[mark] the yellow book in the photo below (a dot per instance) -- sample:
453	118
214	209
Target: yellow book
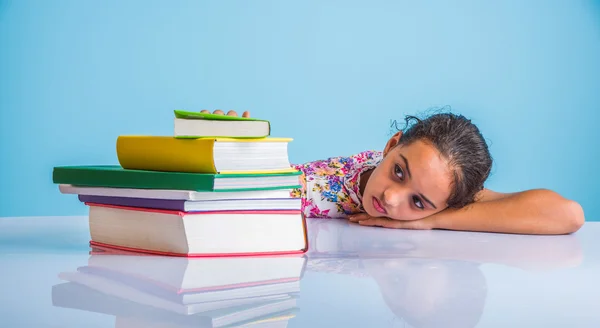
205	155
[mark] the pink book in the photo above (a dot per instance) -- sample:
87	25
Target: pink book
198	234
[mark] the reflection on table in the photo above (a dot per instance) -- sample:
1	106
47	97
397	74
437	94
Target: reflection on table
426	278
161	291
431	278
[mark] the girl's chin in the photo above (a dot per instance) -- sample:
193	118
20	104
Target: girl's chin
372	212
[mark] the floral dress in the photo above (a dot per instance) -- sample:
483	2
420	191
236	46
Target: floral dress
330	187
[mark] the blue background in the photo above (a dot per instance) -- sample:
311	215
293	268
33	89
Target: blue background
76	74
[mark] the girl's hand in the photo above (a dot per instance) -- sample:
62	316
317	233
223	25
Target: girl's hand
230	113
366	220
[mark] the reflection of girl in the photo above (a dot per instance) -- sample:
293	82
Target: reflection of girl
431	293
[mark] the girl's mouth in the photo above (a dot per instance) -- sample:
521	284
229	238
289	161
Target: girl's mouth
378	207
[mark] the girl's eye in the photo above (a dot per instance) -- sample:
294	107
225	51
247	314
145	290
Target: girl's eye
400	174
398	171
418	202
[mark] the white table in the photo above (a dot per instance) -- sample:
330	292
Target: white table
353	277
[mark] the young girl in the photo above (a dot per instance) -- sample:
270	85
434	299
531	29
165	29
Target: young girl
430	176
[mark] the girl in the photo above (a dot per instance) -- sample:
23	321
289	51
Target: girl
429	176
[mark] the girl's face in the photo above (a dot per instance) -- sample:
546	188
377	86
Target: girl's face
411	182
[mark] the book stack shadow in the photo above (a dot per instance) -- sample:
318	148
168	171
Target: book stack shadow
219	186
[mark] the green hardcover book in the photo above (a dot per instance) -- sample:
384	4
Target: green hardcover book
195	125
114	176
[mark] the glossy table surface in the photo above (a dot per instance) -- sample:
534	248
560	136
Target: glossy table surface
352	277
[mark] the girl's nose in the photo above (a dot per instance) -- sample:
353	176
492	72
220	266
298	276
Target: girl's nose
393	196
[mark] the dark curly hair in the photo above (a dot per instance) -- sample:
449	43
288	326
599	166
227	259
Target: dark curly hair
462	144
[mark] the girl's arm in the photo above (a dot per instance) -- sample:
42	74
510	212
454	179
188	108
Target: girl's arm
538	211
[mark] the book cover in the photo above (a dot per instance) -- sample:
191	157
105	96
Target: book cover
195	206
116	176
197	155
235	126
174	194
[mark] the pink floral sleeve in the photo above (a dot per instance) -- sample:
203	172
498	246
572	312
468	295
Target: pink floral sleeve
330	187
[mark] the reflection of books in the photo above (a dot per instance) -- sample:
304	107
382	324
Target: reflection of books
183	276
145	295
129	314
215	292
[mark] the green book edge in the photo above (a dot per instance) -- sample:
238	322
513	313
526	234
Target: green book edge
104	176
118	168
179	113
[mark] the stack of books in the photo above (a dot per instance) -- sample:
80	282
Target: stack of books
161	291
220	186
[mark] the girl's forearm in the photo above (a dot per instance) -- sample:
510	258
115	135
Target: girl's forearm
537	211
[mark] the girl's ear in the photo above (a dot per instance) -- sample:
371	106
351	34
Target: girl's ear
392	142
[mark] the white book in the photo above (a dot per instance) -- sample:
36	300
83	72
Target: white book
198	233
173	194
218	128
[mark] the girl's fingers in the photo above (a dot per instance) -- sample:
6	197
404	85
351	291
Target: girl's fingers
358	217
380	222
229	113
421	224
